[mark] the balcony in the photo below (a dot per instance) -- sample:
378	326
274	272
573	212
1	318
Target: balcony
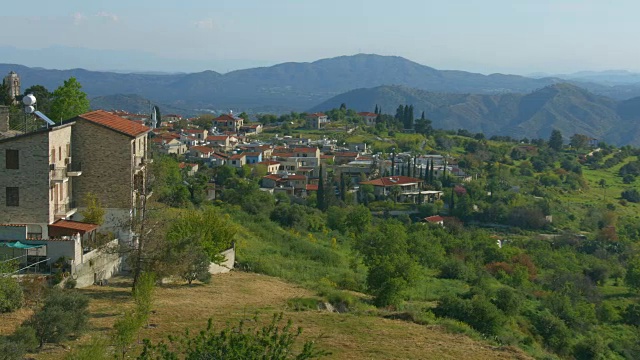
62	173
74	169
141	161
64	209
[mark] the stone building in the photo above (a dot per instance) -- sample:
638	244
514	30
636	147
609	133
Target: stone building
113	152
46	174
37	178
12	81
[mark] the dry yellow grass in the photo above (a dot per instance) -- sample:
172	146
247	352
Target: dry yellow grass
239	295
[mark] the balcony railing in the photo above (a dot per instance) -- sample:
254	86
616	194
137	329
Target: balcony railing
62	173
74	168
65	208
141	161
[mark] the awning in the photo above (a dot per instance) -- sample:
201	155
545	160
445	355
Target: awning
70	228
19	245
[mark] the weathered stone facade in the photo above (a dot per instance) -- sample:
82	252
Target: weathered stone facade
40	190
108	163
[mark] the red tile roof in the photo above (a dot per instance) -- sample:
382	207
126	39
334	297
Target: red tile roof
202	149
306	149
316	115
75	226
346	154
268	162
237	156
182	165
217	138
312	187
434	219
114	122
367	114
392	180
227	117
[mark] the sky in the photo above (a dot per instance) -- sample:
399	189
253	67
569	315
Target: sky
506	36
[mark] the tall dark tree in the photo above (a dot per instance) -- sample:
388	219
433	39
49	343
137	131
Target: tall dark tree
444	173
452	202
432	175
422	116
415	164
376	110
343	106
393	164
400	113
343	187
555	141
320	200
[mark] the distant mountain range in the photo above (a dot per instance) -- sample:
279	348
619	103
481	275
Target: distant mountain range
562	106
493	103
293	86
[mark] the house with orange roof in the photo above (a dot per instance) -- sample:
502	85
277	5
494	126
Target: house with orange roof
272	166
201	152
237	160
317	120
401	188
229	122
222	142
369	118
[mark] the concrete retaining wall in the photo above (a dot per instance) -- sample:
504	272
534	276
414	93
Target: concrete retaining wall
227	264
98	265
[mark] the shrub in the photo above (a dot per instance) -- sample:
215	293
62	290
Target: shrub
631	195
10	294
70	284
508	301
454	269
63	313
478	312
271	341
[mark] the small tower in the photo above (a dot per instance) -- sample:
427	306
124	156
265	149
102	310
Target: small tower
13	83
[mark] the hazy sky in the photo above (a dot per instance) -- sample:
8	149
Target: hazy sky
509	36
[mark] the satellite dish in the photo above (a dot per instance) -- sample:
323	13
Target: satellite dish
29	109
29	100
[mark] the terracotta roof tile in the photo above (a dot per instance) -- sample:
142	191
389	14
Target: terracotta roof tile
392	180
114	122
78	226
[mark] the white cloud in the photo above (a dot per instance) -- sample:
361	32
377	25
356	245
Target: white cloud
78	18
107	15
206	24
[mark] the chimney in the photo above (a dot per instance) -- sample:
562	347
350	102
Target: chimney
4	118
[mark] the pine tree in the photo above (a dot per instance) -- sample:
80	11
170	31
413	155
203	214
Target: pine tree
320	196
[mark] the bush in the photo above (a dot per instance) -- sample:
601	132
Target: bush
70	284
478	312
63	313
454	269
10	294
241	342
631	195
508	301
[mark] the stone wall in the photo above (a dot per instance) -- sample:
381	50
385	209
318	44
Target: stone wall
107	165
98	265
4	118
32	179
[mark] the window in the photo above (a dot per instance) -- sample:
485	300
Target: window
59	153
53	155
13	196
13	161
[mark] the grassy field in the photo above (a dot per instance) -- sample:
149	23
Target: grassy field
240	295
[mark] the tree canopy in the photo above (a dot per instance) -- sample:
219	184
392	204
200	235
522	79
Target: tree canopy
68	101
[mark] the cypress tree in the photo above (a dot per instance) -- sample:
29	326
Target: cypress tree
393	164
444	173
376	110
343	187
415	163
320	197
452	201
422	117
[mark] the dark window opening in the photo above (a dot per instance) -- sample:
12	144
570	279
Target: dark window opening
13	196
13	160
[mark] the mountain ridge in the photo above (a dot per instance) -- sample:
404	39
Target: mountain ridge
563	106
